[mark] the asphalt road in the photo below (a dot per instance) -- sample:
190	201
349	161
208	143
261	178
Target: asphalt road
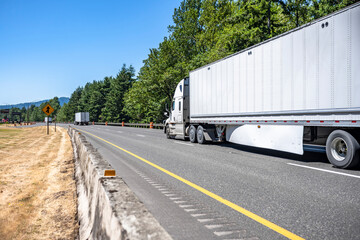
312	203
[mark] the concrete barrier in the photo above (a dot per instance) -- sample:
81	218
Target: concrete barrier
107	208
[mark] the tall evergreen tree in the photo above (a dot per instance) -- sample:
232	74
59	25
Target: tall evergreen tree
113	109
74	104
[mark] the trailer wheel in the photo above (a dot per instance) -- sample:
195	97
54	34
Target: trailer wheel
200	135
342	149
192	134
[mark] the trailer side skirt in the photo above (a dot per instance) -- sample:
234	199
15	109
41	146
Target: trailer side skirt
285	138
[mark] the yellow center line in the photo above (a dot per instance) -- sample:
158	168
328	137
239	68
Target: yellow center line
237	208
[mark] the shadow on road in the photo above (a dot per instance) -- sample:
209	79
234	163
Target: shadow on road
308	157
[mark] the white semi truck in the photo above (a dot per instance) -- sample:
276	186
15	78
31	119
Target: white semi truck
46	119
296	91
81	118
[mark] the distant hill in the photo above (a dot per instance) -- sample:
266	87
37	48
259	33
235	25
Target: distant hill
62	100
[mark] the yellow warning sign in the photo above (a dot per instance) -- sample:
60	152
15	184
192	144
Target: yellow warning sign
48	109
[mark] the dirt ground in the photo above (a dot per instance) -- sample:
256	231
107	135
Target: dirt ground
37	186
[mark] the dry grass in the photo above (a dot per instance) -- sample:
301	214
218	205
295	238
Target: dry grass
37	189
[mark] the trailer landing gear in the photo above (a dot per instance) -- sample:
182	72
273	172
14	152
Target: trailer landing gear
342	149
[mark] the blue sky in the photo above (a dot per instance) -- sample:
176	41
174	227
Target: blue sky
49	48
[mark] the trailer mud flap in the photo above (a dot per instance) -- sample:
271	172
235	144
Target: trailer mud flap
280	137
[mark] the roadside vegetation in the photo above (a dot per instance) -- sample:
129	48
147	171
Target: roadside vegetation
203	31
33	114
37	186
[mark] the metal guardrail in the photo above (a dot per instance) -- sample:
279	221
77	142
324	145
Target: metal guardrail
138	125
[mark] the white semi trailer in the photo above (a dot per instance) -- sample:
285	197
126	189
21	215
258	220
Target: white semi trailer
81	118
46	119
296	91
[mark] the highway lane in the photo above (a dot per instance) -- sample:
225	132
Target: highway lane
310	203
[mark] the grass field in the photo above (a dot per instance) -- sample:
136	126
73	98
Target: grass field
37	187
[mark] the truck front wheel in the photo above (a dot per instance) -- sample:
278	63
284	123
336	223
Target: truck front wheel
192	134
167	131
342	149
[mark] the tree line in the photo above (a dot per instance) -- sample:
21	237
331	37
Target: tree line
202	31
32	113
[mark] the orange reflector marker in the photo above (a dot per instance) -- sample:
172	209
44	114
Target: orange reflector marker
109	173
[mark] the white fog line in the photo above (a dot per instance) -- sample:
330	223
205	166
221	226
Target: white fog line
323	170
188	144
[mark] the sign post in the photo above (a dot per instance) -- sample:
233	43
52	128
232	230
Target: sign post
47	110
55	122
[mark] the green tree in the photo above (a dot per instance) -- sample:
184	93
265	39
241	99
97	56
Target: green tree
61	114
37	115
74	104
85	97
203	31
96	101
29	113
113	109
12	117
55	104
214	14
320	8
23	114
185	29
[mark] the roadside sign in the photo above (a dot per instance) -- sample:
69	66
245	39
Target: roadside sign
48	109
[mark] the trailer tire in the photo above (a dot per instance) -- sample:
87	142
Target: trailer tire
342	149
192	134
200	135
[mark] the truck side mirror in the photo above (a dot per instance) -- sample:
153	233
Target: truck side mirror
166	114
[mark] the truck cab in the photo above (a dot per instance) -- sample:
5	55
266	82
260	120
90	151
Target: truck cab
178	121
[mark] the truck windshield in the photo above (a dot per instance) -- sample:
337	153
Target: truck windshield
173	105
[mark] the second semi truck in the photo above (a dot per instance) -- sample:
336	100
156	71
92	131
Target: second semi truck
296	91
81	118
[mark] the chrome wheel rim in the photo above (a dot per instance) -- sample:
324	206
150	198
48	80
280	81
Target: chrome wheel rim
192	133
339	149
200	135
